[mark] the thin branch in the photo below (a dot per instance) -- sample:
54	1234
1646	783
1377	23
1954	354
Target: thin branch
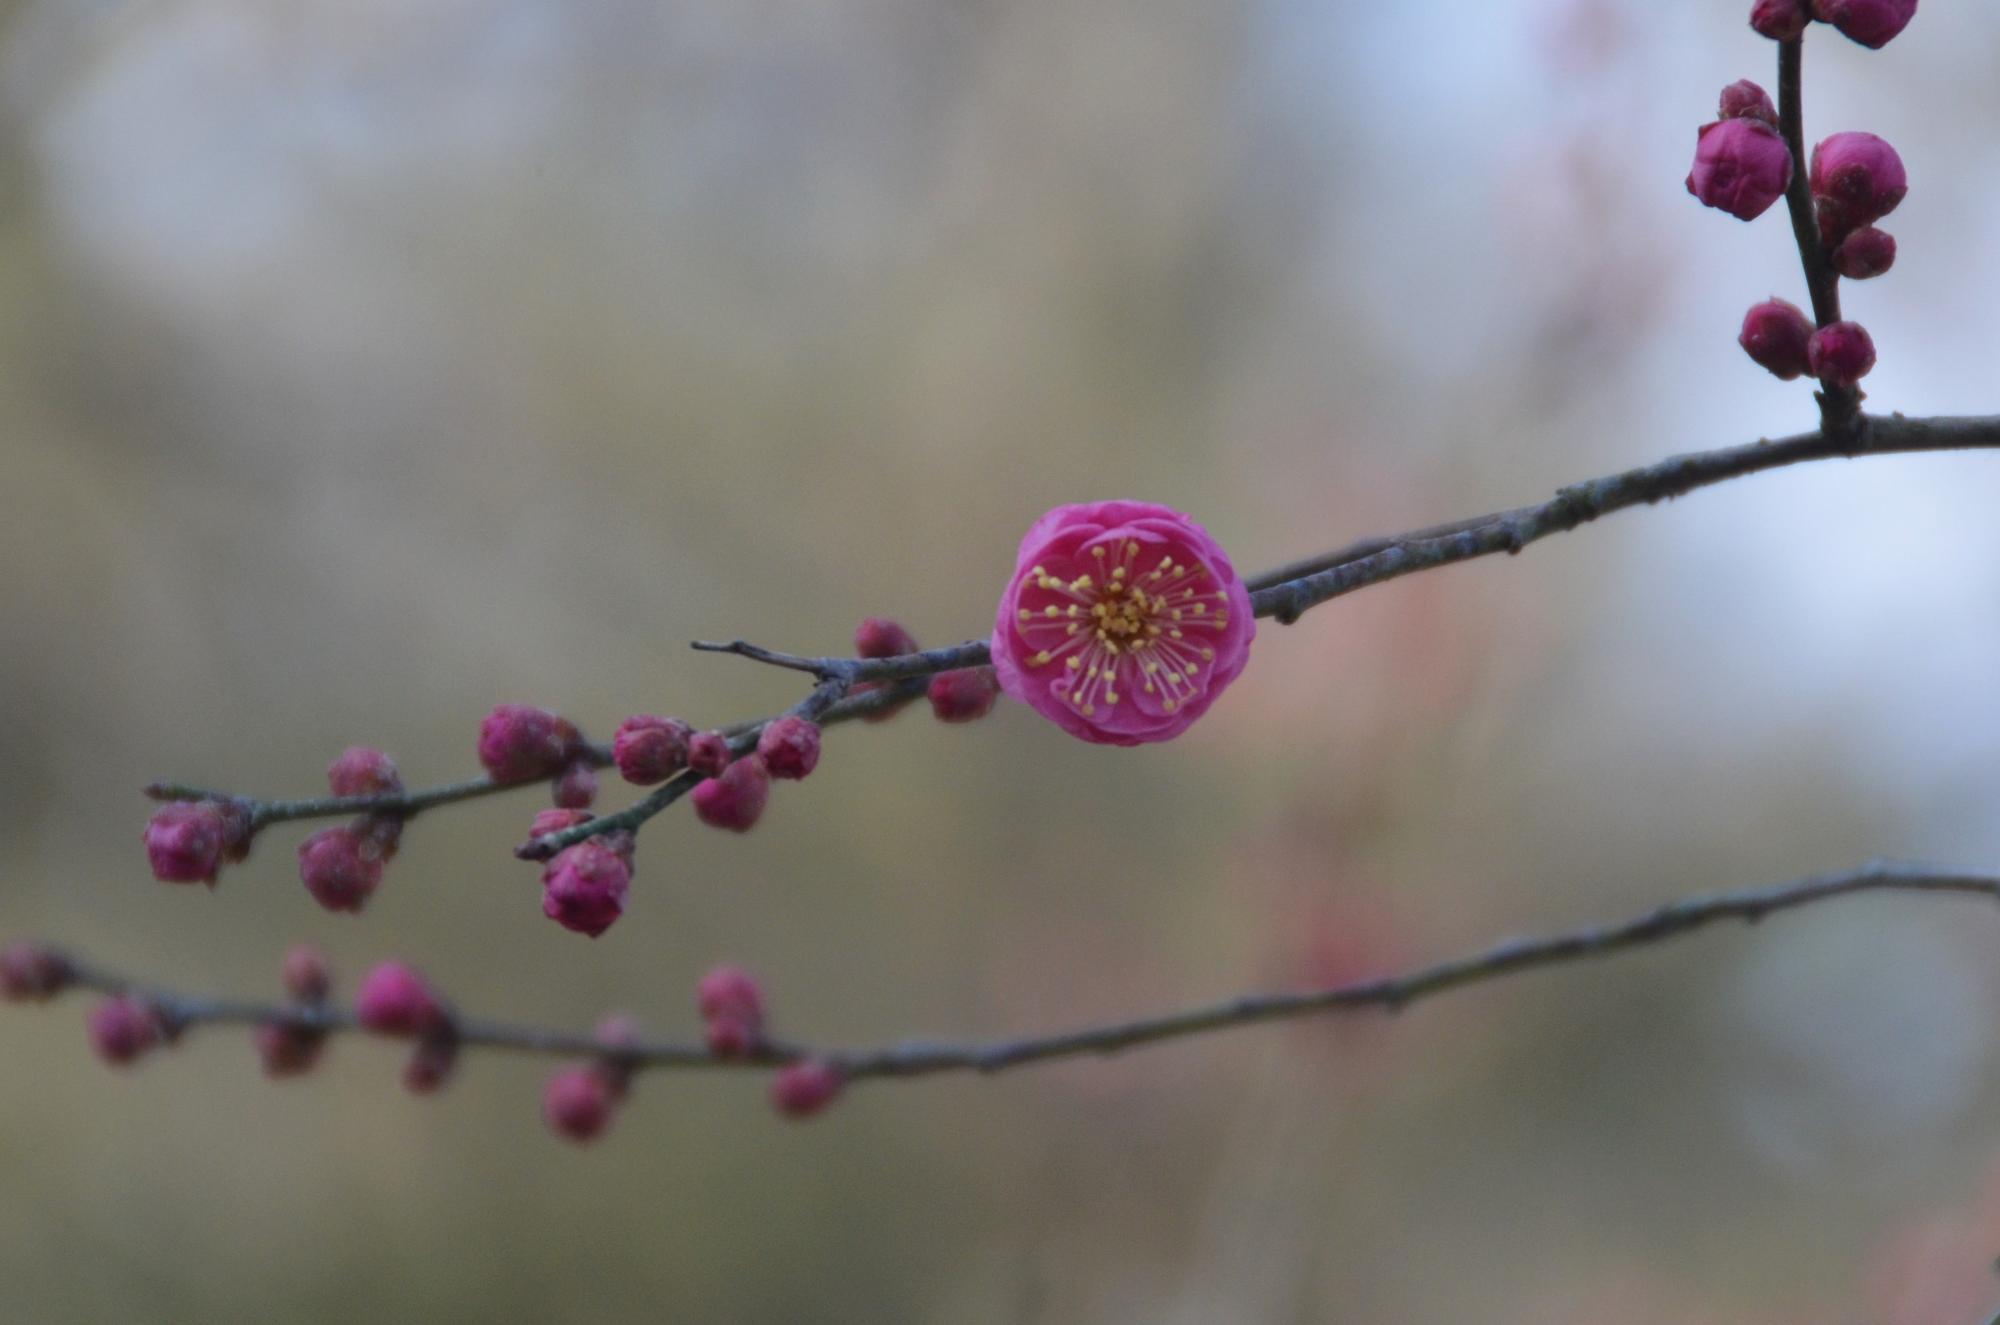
925	1057
1839	406
1285	594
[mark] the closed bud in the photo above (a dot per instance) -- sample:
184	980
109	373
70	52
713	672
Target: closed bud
1841	353
802	1089
709	753
1741	166
1873	23
1775	335
1780	20
340	868
964	695
576	788
395	999
735	800
30	973
363	771
1744	99
790	746
185	841
649	749
308	978
585	886
578	1104
123	1029
1865	253
518	742
1857	179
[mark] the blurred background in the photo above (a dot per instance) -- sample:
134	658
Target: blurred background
364	364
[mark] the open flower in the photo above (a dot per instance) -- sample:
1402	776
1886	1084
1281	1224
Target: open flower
1123	622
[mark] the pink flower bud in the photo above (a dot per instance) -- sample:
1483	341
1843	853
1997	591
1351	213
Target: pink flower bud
286	1049
1865	253
340	868
1740	166
1873	23
576	787
578	1104
1856	179
30	973
1780	20
380	834
964	695
802	1089
790	747
1774	335
709	753
1744	98
307	976
736	799
518	742
554	821
431	1064
650	749
585	886
879	637
185	841
122	1029
395	1000
730	991
1174	631
1841	353
362	771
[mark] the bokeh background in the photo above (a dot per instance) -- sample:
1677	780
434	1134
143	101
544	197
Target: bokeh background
364	364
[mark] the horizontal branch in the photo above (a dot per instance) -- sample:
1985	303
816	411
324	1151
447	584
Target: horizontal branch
1285	593
926	1057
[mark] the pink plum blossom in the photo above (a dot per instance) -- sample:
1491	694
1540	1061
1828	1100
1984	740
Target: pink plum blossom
1123	622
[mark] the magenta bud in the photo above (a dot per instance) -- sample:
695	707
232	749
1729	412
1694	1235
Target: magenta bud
362	771
709	753
1864	253
396	1000
1857	179
340	868
585	886
1780	20
730	991
1774	335
431	1064
964	695
554	821
736	799
307	976
185	841
1841	353
1741	166
1744	99
30	973
286	1049
879	637
790	747
576	788
1873	23
578	1104
804	1088
649	749
123	1029
518	742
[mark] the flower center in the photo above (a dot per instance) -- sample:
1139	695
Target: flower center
1121	629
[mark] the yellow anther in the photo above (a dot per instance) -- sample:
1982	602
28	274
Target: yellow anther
1131	549
1074	626
1111	696
1074	663
1175	614
1089	709
1192	668
1097	552
1175	632
1044	658
1200	609
1208	653
1167	704
1024	614
1052	611
1118	573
